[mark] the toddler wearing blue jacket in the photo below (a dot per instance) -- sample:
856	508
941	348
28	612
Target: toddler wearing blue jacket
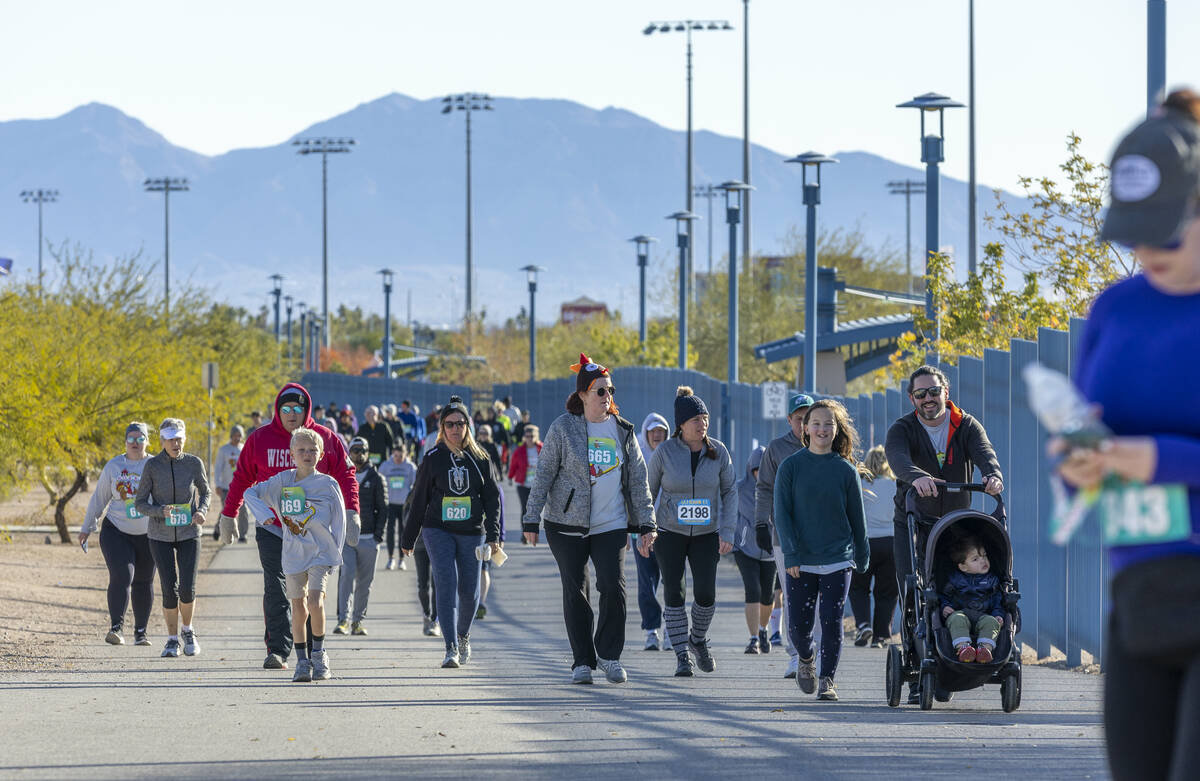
971	602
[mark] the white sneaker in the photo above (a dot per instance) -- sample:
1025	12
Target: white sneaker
613	670
652	641
403	565
793	665
391	564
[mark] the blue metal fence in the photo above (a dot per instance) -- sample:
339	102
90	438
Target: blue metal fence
1063	588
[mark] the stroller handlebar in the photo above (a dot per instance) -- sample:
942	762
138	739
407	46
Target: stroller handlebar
1000	513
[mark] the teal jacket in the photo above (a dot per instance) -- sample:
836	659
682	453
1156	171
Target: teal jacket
819	511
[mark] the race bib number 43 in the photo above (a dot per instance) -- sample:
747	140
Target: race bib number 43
178	515
602	455
292	501
694	512
456	508
1141	515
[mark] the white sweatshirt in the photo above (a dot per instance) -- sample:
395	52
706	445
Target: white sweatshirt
115	489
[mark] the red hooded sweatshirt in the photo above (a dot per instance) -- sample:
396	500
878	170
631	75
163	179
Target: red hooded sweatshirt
268	452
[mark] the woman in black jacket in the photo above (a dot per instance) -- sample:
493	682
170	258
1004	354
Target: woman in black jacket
455	507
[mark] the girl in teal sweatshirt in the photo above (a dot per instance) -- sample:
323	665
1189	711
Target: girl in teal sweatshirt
823	532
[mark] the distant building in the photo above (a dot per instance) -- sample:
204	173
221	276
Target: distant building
581	309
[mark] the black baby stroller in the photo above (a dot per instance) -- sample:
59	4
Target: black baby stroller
926	655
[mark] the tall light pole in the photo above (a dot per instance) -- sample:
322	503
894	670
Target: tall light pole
531	273
276	293
387	275
303	337
746	130
324	147
908	188
683	230
468	102
166	186
812	197
314	345
688	26
710	192
932	153
643	255
287	303
735	192
1156	53
971	220
39	197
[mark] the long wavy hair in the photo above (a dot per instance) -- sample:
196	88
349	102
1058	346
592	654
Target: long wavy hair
845	441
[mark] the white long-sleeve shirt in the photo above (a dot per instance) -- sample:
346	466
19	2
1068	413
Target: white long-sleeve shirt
313	515
113	500
224	465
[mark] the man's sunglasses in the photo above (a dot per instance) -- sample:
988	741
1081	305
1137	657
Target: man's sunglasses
354	450
934	391
135	440
454	424
605	390
296	408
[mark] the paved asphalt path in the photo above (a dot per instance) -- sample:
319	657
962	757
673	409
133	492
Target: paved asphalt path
123	712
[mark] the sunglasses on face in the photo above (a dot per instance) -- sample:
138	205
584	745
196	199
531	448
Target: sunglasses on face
135	440
454	424
934	391
357	451
288	410
605	390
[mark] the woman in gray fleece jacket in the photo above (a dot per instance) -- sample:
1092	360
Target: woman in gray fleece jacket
692	481
173	494
591	483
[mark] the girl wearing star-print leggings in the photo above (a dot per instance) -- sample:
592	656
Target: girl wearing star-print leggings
455	507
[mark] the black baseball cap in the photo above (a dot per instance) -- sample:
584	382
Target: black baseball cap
1155	181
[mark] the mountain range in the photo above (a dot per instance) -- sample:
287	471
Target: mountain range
555	183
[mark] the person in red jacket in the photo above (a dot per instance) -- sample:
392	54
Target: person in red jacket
522	466
266	453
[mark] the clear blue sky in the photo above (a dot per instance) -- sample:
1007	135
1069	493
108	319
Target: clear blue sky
824	75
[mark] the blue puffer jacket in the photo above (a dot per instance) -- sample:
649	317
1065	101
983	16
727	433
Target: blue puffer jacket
976	594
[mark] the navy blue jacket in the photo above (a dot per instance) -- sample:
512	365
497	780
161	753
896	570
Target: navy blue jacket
974	593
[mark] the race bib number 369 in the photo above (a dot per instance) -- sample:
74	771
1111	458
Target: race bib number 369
292	501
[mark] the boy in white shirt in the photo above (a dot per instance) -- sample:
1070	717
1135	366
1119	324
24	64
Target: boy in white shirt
310	507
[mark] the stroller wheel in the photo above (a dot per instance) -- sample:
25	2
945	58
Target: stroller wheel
895	676
1010	692
928	683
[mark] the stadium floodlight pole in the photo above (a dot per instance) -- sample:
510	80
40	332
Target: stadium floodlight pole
276	292
932	153
709	191
388	276
683	230
812	197
531	273
468	102
688	26
39	197
324	147
908	188
166	186
971	220
1156	53
643	256
746	131
287	304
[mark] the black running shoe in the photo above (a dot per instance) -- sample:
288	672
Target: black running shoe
140	637
114	636
753	647
683	665
704	658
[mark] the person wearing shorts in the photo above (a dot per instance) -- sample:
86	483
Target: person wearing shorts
310	507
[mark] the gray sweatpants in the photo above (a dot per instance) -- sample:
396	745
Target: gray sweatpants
355	577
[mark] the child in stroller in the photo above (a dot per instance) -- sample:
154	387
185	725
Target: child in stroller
971	602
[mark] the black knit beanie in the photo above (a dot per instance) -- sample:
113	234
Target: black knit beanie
687	406
587	372
455	405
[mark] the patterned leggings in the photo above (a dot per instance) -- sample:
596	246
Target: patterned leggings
802	608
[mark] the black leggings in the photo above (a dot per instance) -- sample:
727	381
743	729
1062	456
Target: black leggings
523	495
758	579
802	608
426	591
1151	712
130	573
702	553
883	571
395	516
177	586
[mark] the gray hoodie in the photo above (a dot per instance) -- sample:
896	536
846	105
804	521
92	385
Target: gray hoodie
744	539
172	481
653	417
672	481
318	515
764	503
563	486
